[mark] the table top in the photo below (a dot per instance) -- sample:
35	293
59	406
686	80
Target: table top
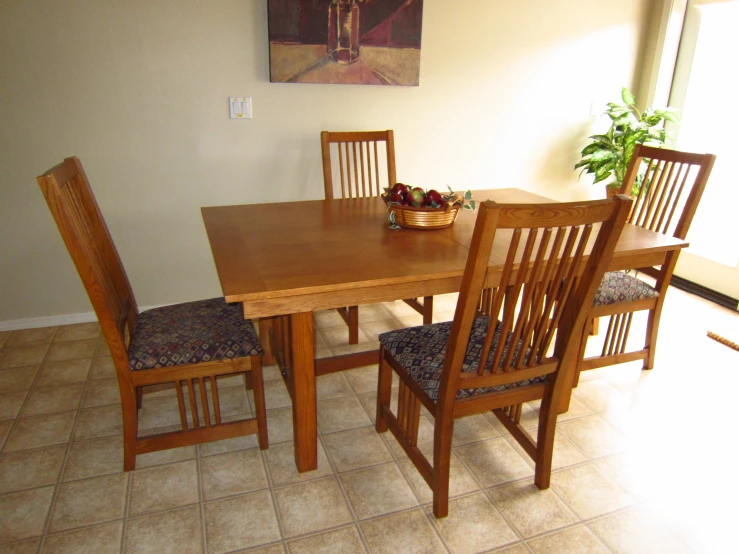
302	256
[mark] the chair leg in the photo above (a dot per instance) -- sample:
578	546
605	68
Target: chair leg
259	405
139	397
428	309
594	326
248	380
129	402
443	431
384	390
545	440
353	324
651	338
581	355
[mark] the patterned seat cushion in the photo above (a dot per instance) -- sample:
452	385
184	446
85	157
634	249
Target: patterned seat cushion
420	351
189	333
618	286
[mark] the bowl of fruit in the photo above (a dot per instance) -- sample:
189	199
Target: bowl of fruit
415	208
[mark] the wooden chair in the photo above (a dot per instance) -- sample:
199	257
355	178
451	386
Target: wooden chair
440	365
359	162
189	345
675	183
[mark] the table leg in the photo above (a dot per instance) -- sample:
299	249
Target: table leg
266	326
304	391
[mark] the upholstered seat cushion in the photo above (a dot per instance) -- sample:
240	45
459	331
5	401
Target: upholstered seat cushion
617	286
420	352
201	331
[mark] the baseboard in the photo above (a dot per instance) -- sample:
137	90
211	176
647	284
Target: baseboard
704	292
54	320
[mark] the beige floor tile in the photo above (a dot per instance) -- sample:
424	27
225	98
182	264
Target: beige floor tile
163	488
27	337
370	345
232	473
530	510
341	541
636	473
89	501
102	421
473	428
577	409
374	329
636	530
363	379
460	480
474	525
174	532
276	548
516	548
494	462
78	331
102	348
22	356
333	385
600	396
29	469
378	490
19	378
40	431
574	540
339	414
339	336
276	395
103	368
23	514
49	400
71	350
94	458
280	425
565	453
594	436
30	546
311	507
373	312
327	318
102	392
271	373
102	539
5	427
231	445
588	492
356	448
282	469
240	522
11	403
399	309
403	532
63	373
160	411
162	457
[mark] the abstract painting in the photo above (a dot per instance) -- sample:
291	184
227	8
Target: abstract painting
361	42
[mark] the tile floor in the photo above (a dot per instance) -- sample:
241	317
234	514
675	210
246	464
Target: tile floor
643	460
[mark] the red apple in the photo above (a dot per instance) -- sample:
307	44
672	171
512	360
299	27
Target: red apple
435	197
399	187
408	197
397	197
418	195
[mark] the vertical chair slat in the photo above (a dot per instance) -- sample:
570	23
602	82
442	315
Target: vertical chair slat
362	167
676	201
341	171
204	400
181	404
671	199
661	195
216	403
356	172
193	404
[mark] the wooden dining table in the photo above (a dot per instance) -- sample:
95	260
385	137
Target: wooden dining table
284	261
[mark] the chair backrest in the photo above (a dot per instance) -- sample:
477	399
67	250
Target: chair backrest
556	257
672	186
77	215
359	162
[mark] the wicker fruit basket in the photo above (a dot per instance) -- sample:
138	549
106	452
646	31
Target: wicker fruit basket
426	218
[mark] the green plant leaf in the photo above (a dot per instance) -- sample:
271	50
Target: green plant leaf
468	195
589	149
627	97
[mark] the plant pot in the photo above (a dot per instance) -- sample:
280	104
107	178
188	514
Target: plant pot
612	191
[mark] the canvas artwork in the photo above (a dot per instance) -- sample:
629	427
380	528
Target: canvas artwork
361	42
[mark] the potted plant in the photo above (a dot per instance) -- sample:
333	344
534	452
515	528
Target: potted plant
608	155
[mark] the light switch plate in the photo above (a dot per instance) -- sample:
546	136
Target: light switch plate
240	107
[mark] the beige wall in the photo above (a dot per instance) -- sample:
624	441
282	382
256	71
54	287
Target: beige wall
137	89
